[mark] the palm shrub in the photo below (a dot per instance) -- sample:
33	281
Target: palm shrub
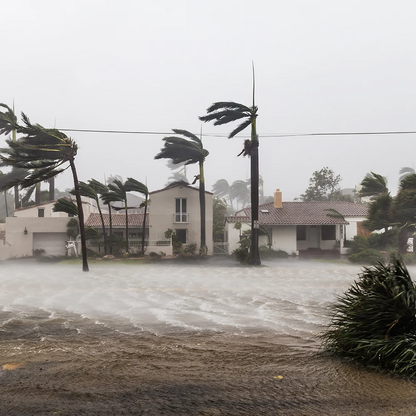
374	321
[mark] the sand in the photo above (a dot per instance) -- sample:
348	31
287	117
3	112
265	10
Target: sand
189	374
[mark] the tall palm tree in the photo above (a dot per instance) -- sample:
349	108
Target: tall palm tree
188	150
222	189
373	185
224	112
135	186
43	152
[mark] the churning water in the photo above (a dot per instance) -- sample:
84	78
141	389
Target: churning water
285	297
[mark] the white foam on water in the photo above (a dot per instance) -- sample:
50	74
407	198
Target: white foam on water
290	298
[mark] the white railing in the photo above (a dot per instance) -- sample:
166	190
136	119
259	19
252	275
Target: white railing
180	217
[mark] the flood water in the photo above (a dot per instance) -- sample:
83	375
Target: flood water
286	297
213	338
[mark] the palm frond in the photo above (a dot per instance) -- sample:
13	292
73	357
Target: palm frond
229	105
136	186
65	205
240	128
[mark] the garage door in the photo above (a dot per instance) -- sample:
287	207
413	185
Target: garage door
52	243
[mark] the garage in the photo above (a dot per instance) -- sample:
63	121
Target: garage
52	243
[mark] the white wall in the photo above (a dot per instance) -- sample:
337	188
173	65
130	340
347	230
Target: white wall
284	238
351	228
234	235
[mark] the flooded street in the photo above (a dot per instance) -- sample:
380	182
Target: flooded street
210	339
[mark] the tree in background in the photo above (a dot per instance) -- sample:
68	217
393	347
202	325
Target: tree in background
188	150
43	152
324	186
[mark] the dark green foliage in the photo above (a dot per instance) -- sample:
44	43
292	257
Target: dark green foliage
323	186
374	321
373	184
219	214
368	256
242	253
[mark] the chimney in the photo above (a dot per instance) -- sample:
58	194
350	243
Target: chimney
278	199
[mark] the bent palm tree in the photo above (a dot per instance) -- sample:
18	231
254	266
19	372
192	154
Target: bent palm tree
224	112
43	153
188	150
373	185
135	186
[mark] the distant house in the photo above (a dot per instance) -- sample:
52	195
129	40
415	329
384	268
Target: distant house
37	229
298	226
176	207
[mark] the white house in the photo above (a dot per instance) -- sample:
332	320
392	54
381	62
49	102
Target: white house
37	228
298	226
176	207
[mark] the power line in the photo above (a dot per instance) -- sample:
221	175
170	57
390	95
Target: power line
270	136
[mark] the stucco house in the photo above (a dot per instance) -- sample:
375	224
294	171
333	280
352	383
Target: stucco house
298	226
176	207
37	228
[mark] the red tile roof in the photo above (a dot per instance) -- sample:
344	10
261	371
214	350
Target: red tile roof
119	220
303	213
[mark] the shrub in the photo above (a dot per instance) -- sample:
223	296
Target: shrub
369	256
374	321
358	244
267	252
242	253
190	248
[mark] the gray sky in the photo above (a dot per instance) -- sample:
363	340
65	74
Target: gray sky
321	66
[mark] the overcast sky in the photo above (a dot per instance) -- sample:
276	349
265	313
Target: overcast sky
321	66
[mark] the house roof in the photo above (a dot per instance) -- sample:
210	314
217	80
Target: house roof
45	203
303	213
118	220
177	185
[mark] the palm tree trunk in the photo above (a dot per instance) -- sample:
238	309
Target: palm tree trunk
403	237
5	203
144	225
16	197
52	189
254	257
37	193
102	225
127	227
111	227
203	247
80	217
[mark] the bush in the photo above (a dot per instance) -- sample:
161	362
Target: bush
358	244
242	253
267	252
369	256
190	248
374	321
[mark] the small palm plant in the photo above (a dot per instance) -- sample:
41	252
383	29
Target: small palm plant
43	153
374	321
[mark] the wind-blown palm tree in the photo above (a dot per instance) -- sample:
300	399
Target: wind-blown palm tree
188	150
405	171
373	185
43	152
135	186
89	192
224	112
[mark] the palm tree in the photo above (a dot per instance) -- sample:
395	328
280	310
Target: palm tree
405	171
224	113
222	189
135	186
89	192
43	152
240	191
373	185
188	150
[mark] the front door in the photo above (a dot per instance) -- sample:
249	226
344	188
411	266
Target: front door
313	236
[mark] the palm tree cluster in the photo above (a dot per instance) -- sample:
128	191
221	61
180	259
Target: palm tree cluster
386	211
374	321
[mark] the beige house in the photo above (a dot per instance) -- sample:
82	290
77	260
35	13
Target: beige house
176	207
37	229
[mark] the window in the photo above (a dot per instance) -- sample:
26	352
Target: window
41	212
181	234
180	210
328	232
301	232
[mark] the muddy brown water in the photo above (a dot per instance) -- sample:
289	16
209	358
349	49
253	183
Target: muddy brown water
210	339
